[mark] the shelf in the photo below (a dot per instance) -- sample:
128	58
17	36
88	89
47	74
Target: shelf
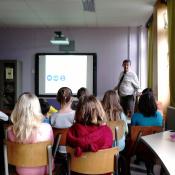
10	83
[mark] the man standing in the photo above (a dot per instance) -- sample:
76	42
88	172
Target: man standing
127	87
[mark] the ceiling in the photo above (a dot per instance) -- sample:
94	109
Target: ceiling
69	13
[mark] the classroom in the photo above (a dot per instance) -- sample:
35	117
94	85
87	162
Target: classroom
101	35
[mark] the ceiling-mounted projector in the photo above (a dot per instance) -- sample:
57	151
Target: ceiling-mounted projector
59	39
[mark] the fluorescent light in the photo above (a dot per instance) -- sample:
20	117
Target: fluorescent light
59	39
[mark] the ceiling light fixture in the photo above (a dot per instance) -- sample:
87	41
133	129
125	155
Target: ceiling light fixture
59	39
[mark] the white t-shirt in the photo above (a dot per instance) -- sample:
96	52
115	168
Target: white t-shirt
129	84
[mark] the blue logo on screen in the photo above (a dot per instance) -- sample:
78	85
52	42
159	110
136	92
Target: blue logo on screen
49	77
56	77
62	77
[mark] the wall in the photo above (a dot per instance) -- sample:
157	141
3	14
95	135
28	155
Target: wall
112	45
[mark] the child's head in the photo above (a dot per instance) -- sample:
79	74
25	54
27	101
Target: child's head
26	116
111	104
82	92
147	90
147	104
90	111
44	106
64	96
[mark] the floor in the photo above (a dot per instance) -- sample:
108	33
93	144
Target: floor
140	169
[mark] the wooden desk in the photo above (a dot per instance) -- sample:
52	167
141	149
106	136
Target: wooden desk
164	148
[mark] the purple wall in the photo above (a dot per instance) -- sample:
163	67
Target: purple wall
112	45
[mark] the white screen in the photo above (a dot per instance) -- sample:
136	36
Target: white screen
73	71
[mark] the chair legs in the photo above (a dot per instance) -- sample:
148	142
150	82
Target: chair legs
5	160
62	160
123	165
149	168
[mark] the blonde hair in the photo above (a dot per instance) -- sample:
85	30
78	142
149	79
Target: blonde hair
26	117
111	105
90	111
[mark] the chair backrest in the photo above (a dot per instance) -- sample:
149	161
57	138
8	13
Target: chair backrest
62	132
60	135
170	120
100	162
28	155
118	128
144	130
137	131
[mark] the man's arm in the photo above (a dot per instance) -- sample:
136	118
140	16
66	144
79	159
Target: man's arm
116	87
135	82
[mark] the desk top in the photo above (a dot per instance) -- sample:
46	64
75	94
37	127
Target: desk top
164	148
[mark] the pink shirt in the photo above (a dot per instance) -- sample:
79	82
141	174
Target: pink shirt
44	133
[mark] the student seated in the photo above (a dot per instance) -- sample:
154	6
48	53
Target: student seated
28	128
64	118
147	114
80	93
158	103
89	132
114	112
45	107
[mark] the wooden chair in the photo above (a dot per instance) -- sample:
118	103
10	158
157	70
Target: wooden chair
170	119
62	132
144	130
118	129
100	162
28	155
134	146
60	158
60	135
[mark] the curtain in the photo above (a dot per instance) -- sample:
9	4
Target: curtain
171	41
150	55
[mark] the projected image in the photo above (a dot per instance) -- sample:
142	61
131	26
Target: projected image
65	70
54	71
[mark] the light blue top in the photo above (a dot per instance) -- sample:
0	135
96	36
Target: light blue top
46	120
62	120
141	120
121	142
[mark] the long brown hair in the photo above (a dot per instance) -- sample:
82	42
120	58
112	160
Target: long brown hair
90	111
111	105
